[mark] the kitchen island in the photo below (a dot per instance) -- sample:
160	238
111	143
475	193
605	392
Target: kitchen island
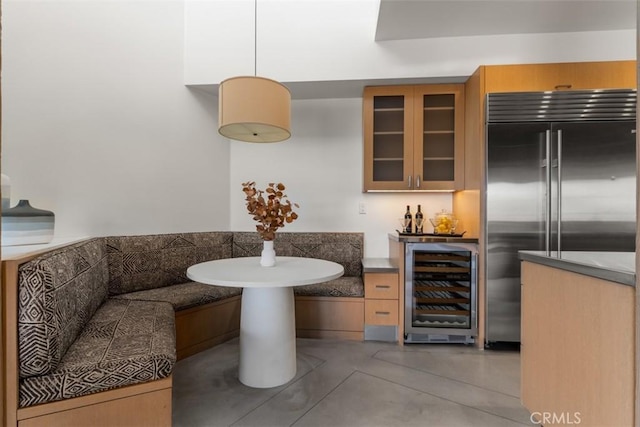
618	267
578	337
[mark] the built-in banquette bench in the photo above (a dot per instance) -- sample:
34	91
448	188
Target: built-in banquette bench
92	330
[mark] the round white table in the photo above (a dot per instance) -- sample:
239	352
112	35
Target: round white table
267	318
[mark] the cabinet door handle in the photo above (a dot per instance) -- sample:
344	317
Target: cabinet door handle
565	86
382	313
409	181
383	286
417	181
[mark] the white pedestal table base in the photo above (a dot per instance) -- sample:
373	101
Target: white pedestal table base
267	337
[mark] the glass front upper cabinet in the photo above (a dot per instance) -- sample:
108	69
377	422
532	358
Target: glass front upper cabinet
413	138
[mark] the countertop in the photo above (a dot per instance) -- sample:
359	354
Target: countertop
616	267
426	238
379	265
20	251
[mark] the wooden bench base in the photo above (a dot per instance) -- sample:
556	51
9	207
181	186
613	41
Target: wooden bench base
330	317
147	404
205	326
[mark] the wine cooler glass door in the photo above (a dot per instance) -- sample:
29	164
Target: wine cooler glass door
441	289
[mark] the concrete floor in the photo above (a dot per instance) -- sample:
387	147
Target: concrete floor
347	383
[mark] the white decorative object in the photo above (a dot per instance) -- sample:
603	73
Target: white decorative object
268	258
6	192
26	225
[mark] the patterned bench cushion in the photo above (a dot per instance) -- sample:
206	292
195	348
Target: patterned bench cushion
58	293
125	342
137	263
340	287
344	248
184	295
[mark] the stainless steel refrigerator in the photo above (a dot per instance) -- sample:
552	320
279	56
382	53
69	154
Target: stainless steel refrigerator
560	177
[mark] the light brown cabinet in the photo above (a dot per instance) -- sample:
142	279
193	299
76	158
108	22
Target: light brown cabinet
577	352
560	76
413	137
381	298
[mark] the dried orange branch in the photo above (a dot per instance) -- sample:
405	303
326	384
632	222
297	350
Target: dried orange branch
272	211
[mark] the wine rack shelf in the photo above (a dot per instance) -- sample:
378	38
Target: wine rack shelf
441	283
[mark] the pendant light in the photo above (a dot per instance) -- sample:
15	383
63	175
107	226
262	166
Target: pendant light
252	108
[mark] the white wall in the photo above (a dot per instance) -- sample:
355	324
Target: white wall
97	124
99	127
321	166
327	40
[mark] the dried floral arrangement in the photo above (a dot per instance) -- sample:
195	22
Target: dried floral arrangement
272	211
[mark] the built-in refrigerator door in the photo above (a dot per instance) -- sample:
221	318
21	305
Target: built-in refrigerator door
516	212
597	185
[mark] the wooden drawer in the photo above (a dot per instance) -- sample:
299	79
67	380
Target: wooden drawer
380	312
381	285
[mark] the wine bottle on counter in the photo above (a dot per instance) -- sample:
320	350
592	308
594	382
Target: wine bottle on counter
419	221
408	221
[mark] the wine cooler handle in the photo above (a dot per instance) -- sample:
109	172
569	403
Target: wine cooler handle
559	213
409	181
547	163
417	181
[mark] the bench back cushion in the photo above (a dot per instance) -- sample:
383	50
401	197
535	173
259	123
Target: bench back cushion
58	292
344	248
138	263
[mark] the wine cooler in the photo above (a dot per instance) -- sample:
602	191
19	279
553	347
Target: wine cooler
441	292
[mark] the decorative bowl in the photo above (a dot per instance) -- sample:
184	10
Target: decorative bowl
444	223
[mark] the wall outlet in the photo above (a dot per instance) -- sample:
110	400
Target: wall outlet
362	209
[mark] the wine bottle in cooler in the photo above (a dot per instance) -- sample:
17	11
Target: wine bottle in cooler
419	220
408	220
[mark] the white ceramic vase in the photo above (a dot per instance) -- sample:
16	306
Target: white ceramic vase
268	258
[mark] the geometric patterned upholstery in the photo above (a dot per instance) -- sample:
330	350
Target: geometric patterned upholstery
137	263
344	248
99	314
340	287
58	293
184	295
125	342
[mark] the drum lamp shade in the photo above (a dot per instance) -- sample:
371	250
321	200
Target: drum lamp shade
254	109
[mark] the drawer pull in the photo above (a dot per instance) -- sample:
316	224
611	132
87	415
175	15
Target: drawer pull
382	313
383	286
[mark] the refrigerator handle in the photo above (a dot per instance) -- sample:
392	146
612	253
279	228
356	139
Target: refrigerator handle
547	164
559	212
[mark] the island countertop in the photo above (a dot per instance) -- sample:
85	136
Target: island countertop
616	267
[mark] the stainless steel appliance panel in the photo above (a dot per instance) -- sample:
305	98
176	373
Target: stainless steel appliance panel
516	218
596	184
441	292
561	170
